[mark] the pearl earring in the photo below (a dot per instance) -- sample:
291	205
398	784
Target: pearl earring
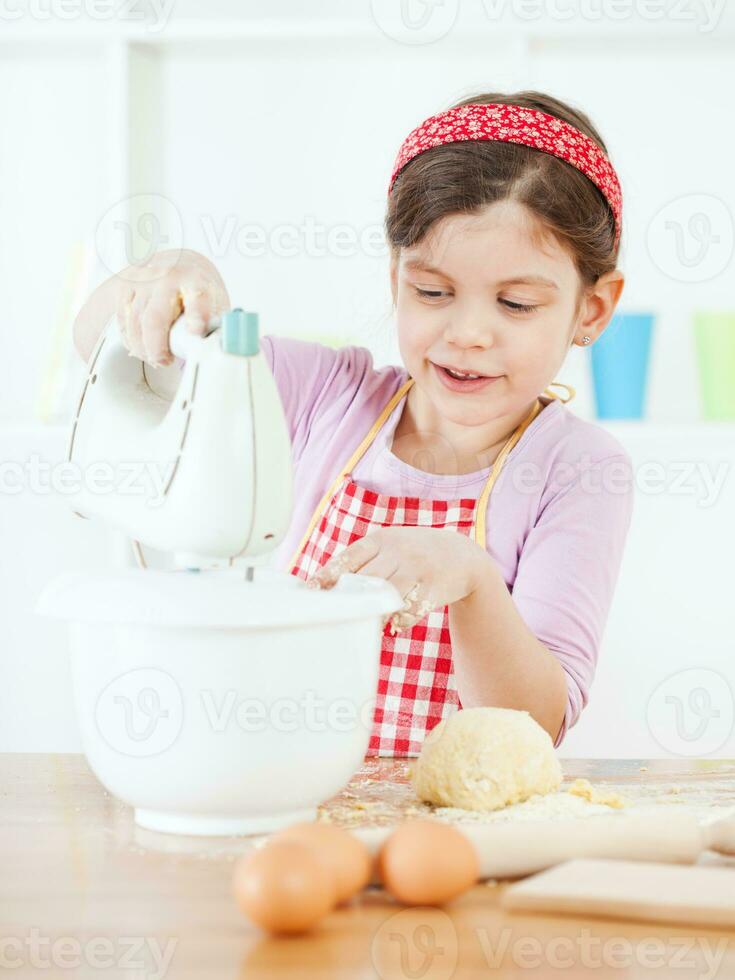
586	339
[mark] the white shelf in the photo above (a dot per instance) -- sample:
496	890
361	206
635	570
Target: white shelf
471	27
192	30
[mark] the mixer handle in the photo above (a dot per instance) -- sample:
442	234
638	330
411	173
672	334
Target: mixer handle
238	333
183	342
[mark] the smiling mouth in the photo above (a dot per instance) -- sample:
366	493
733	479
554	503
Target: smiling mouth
464	375
463	383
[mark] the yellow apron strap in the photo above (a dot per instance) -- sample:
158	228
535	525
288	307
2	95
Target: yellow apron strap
482	502
347	468
571	392
480	532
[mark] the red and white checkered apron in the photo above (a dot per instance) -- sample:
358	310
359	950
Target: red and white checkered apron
416	686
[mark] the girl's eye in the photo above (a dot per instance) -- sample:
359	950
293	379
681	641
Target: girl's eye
438	293
520	307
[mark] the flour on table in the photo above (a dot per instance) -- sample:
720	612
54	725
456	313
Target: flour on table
585	789
548	806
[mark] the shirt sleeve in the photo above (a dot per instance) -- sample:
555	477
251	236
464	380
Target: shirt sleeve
569	566
312	378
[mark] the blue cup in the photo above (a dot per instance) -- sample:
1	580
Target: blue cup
620	359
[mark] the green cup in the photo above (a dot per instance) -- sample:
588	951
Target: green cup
714	334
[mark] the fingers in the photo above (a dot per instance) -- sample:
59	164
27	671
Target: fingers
382	566
417	604
162	309
124	312
146	311
350	560
201	302
149	298
134	311
328	575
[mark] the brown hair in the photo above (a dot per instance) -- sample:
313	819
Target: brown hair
464	177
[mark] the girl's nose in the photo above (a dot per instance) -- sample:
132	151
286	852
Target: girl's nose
470	330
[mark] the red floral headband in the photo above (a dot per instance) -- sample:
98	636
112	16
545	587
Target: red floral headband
515	124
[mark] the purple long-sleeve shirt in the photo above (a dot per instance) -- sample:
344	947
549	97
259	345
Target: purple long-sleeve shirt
557	517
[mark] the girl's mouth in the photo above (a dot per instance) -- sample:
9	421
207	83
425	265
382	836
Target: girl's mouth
458	384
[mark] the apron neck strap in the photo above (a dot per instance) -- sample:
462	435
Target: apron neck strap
497	466
480	535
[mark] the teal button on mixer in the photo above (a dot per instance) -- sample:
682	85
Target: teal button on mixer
239	330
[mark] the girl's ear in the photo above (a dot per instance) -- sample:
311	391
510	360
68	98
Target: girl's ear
599	305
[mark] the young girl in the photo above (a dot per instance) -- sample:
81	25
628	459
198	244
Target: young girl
460	477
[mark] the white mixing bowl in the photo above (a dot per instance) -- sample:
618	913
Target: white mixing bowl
213	705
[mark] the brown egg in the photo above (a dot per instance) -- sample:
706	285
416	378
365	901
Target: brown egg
425	862
283	887
345	856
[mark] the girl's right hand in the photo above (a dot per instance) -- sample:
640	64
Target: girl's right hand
150	298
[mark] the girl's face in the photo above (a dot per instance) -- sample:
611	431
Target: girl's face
481	294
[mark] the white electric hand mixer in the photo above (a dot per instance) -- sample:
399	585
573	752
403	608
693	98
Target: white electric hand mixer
181	680
196	458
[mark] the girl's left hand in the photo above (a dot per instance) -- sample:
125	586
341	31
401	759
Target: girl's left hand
430	567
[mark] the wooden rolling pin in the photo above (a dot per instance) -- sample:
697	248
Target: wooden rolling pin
511	850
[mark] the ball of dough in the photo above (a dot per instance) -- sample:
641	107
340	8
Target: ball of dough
484	759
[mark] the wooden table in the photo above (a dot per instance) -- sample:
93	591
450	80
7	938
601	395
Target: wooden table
86	893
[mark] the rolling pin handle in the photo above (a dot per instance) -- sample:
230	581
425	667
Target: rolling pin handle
720	835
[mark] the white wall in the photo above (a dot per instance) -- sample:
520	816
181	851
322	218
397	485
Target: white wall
254	117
